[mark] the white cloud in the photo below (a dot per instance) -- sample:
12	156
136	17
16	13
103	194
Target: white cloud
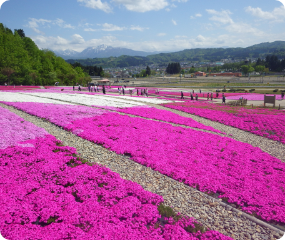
244	28
200	38
142	5
278	14
110	27
107	27
179	0
137	28
90	30
77	39
60	41
196	15
97	4
174	22
222	17
62	24
34	24
161	34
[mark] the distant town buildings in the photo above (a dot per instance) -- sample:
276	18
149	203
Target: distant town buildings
201	74
226	74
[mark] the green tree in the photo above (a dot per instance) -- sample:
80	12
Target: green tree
245	69
148	71
259	69
192	70
52	78
7	72
20	32
71	79
250	69
34	77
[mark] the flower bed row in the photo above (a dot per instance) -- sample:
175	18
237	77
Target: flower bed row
253	97
238	172
53	194
163	115
267	123
17	88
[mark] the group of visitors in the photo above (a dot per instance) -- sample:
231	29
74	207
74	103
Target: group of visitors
143	92
191	96
93	88
210	95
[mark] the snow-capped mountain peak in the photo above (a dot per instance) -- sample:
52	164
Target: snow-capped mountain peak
101	51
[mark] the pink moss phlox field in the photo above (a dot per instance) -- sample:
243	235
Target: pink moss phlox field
166	116
44	198
58	114
14	129
237	171
267	123
51	194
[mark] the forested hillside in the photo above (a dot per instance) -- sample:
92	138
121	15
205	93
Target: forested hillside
22	63
194	55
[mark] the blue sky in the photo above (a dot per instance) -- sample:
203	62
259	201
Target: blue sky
146	25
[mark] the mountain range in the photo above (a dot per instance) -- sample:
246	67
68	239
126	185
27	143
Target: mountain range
102	51
189	55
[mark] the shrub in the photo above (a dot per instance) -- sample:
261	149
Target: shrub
275	90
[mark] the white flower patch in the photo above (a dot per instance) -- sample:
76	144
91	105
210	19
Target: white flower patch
19	97
141	99
89	100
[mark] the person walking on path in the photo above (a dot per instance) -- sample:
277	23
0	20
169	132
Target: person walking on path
282	95
182	97
131	92
224	99
89	88
104	90
192	98
141	92
123	91
200	91
146	92
196	97
208	96
137	91
211	96
73	87
193	91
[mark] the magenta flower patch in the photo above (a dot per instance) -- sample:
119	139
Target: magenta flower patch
268	123
47	192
